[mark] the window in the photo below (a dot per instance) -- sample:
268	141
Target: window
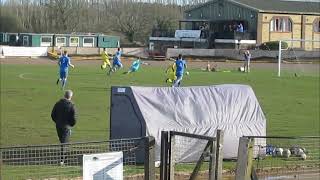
281	24
46	41
88	42
25	41
74	41
316	25
60	41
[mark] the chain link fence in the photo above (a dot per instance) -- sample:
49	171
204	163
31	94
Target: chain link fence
281	157
64	161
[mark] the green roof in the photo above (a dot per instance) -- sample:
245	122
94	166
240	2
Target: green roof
275	6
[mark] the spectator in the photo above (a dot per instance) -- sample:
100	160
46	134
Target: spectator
230	28
64	116
247	58
234	27
240	27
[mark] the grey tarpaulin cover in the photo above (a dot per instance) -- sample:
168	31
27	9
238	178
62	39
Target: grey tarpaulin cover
201	110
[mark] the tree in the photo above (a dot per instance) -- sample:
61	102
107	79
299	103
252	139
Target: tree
131	21
9	22
134	19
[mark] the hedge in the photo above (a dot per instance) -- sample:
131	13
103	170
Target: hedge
273	45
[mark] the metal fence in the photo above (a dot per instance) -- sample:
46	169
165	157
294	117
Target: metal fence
64	161
190	156
287	157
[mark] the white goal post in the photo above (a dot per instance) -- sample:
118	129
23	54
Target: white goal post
290	40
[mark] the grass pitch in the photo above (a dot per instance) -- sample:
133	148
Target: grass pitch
28	93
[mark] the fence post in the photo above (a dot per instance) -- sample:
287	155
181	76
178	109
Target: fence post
149	167
244	162
172	155
0	163
219	155
164	156
212	164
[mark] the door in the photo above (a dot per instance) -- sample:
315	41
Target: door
25	41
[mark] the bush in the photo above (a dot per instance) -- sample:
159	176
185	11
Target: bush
273	45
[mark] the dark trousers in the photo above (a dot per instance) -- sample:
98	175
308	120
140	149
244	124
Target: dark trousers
64	135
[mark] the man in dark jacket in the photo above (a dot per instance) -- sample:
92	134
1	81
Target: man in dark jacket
64	115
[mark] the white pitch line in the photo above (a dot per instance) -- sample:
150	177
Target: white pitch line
22	76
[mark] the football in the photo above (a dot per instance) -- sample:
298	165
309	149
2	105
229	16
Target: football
286	153
303	156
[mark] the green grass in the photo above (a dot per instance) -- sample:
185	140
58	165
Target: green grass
55	171
40	171
291	104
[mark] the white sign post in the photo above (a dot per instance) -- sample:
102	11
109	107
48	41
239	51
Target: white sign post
103	166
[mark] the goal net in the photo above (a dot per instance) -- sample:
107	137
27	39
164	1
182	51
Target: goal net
298	57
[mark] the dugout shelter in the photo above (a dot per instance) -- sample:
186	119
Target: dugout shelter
146	111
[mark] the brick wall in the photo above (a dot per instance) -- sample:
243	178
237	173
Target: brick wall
309	32
302	28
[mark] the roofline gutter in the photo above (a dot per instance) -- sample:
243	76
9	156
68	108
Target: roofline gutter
231	1
252	8
286	12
